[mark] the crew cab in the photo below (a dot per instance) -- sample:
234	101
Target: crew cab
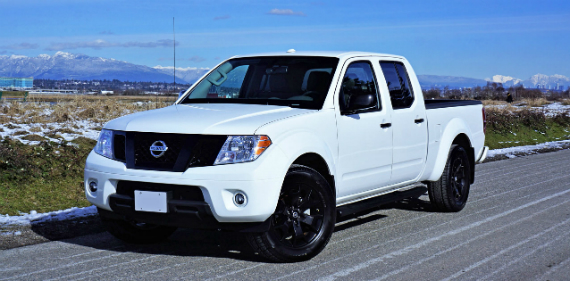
278	145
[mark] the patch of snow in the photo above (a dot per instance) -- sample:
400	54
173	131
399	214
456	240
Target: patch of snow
10	233
35	217
504	79
64	55
17	57
512	152
84	129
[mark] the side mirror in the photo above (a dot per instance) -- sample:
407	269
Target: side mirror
361	102
181	93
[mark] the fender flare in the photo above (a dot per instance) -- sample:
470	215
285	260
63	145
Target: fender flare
454	128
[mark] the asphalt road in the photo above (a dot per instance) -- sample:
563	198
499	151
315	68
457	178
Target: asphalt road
516	226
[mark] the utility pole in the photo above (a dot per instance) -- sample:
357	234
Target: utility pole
174	46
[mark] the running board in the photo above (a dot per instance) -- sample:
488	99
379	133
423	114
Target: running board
367	204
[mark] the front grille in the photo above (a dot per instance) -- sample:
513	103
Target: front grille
179	192
119	143
143	156
184	151
206	150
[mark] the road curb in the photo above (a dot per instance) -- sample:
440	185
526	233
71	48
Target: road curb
17	235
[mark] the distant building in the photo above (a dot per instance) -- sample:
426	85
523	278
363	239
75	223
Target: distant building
17	83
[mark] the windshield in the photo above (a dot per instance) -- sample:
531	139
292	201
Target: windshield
290	81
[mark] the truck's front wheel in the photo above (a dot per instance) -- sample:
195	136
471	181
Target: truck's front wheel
450	192
303	221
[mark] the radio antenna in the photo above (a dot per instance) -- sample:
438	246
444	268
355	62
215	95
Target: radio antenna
174	46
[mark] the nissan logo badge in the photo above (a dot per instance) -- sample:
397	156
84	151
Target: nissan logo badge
158	148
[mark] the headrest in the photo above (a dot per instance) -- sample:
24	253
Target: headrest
318	81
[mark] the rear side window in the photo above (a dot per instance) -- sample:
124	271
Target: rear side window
398	82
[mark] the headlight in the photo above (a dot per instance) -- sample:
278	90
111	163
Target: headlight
239	149
104	145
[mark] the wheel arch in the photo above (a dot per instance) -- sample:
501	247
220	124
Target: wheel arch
456	132
317	162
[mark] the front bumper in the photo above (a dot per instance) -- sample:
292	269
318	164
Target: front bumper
260	180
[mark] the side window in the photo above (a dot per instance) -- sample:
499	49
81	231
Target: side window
359	79
401	93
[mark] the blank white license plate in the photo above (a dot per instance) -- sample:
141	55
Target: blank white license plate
150	201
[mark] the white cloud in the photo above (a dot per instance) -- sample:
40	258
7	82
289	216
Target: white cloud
21	46
100	44
286	12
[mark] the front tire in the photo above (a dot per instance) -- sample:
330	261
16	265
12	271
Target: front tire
303	221
450	192
136	232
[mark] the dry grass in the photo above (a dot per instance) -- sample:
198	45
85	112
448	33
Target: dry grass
493	102
534	102
34	138
63	98
565	102
73	108
20	133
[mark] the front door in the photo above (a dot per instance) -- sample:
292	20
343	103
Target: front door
365	138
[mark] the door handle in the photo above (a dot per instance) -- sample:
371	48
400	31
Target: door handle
385	125
418	121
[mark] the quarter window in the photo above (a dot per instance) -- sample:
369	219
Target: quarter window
398	82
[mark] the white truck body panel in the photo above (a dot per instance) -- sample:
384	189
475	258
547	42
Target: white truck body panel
364	159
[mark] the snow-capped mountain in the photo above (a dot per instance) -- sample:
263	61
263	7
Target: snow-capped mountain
547	82
506	80
189	74
543	81
64	65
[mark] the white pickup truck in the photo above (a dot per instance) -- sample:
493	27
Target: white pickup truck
278	145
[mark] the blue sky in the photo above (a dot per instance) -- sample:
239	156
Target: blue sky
476	39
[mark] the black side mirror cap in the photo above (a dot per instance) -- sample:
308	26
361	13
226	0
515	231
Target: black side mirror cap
361	103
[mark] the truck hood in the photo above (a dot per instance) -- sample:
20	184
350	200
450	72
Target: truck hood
207	119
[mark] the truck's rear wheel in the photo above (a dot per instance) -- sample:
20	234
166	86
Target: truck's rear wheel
303	221
136	232
450	192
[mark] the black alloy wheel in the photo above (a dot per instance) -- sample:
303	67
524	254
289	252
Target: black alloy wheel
459	180
298	218
450	192
303	221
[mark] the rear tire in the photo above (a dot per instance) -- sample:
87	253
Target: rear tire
136	232
303	221
450	192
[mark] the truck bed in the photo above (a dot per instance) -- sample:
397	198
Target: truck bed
432	104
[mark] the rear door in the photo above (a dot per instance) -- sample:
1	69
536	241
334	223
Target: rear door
365	145
409	124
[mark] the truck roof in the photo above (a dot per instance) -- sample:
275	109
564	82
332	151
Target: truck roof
336	54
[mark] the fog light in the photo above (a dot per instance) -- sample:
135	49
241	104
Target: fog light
93	186
240	199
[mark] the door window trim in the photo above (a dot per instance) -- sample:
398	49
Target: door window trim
374	77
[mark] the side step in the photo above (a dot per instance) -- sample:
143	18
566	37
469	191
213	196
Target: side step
367	204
